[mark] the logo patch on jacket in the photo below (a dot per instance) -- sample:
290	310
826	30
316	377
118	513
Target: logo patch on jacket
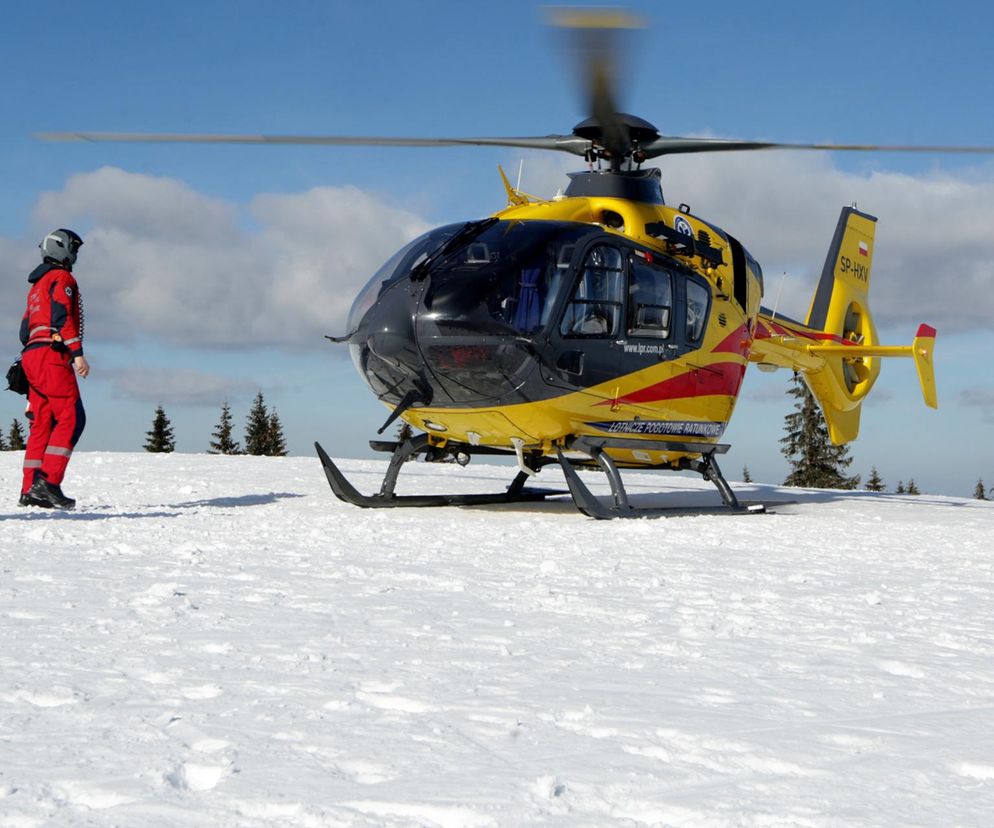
69	291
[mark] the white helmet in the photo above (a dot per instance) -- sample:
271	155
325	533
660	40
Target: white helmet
60	246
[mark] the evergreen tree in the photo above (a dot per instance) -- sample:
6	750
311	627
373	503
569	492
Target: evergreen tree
160	438
16	440
814	460
277	443
875	483
900	488
3	444
222	442
912	488
746	477
404	432
979	492
257	428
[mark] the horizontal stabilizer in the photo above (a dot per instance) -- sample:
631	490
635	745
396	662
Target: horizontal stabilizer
922	346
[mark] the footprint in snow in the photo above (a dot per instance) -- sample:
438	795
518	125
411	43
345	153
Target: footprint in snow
190	776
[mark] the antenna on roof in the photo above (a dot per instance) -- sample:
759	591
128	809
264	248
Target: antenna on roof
783	279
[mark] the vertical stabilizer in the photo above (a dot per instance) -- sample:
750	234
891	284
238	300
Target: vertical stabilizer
836	350
840	310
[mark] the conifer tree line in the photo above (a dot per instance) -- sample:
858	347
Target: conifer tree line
15	438
816	463
160	438
263	432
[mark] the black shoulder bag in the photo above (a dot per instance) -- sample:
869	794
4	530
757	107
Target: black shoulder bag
16	379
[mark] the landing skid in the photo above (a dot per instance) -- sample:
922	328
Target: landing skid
621	507
386	499
583	498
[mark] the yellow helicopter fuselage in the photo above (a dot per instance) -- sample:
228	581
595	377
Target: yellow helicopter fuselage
683	399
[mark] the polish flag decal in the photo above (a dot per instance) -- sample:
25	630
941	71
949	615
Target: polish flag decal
864	249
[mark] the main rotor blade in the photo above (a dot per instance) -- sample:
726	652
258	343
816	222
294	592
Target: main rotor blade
563	143
674	146
598	38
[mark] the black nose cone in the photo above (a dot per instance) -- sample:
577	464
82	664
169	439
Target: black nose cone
384	348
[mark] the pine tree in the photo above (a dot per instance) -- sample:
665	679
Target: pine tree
16	440
160	438
875	483
900	488
223	442
277	443
746	477
814	460
257	428
3	444
912	488
979	492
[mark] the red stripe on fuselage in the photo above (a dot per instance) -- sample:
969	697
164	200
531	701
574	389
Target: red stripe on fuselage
767	329
722	378
737	342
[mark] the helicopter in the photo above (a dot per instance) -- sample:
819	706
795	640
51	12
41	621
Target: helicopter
602	328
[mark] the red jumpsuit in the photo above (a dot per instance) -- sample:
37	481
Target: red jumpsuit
52	335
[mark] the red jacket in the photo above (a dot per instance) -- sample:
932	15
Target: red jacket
54	312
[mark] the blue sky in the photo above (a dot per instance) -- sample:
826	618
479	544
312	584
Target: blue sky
210	272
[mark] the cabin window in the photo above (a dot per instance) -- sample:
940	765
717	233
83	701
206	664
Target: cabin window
595	308
697	310
650	301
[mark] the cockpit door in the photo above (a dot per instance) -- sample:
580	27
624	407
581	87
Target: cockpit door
591	326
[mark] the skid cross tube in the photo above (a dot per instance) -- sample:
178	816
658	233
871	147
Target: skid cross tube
621	507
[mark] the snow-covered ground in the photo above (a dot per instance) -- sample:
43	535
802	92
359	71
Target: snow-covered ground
217	641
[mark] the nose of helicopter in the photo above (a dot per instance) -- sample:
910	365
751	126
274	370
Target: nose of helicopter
409	353
384	348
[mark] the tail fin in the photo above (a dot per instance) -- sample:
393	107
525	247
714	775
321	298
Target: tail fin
837	350
840	309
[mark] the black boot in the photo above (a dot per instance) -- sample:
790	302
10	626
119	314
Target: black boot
27	500
51	494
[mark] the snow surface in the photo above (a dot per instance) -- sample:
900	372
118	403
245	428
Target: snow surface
217	641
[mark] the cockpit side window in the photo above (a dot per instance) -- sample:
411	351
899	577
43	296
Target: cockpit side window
650	300
595	308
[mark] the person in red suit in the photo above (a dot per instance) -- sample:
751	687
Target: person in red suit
52	336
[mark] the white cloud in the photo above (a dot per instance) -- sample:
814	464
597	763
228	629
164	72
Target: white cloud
164	262
182	387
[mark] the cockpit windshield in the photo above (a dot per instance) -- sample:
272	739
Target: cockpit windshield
505	280
398	266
